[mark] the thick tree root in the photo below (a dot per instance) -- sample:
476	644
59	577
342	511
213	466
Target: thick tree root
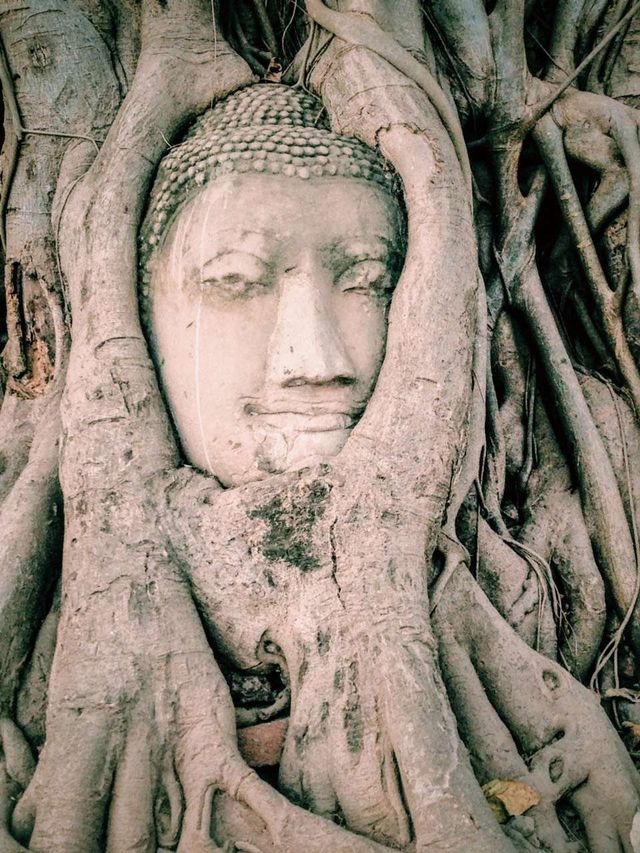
31	521
543	716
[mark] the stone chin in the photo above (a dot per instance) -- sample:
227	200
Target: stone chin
280	451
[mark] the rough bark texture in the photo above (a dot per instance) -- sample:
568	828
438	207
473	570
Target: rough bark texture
434	635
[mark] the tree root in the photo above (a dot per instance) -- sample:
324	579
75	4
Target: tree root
16	770
557	528
547	715
601	500
363	31
28	556
517	593
136	718
607	302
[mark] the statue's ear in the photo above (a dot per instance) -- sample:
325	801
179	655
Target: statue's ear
433	321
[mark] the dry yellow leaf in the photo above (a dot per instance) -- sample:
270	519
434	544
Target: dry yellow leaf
508	798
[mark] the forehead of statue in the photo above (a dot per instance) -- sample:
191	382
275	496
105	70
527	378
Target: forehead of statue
274	218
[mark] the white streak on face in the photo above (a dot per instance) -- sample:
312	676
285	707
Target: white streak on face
179	250
197	359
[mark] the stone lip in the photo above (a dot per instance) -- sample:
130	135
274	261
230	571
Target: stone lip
261	745
307	422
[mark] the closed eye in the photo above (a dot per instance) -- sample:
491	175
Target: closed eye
367	277
236	273
235	285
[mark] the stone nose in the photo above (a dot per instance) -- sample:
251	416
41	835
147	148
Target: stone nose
306	345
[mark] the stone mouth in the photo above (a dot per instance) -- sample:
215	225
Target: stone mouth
302	420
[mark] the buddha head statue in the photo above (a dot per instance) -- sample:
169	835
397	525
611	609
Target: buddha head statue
268	255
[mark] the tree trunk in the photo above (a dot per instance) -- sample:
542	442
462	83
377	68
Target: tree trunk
427	640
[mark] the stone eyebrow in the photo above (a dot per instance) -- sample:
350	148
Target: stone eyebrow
230	252
376	247
377	241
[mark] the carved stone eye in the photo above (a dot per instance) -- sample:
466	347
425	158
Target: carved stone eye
235	285
367	277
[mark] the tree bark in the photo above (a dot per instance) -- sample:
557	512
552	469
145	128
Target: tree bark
435	598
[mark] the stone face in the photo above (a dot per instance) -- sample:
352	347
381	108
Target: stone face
268	308
261	745
268	256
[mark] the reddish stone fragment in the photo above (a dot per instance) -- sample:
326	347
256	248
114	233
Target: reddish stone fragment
261	745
